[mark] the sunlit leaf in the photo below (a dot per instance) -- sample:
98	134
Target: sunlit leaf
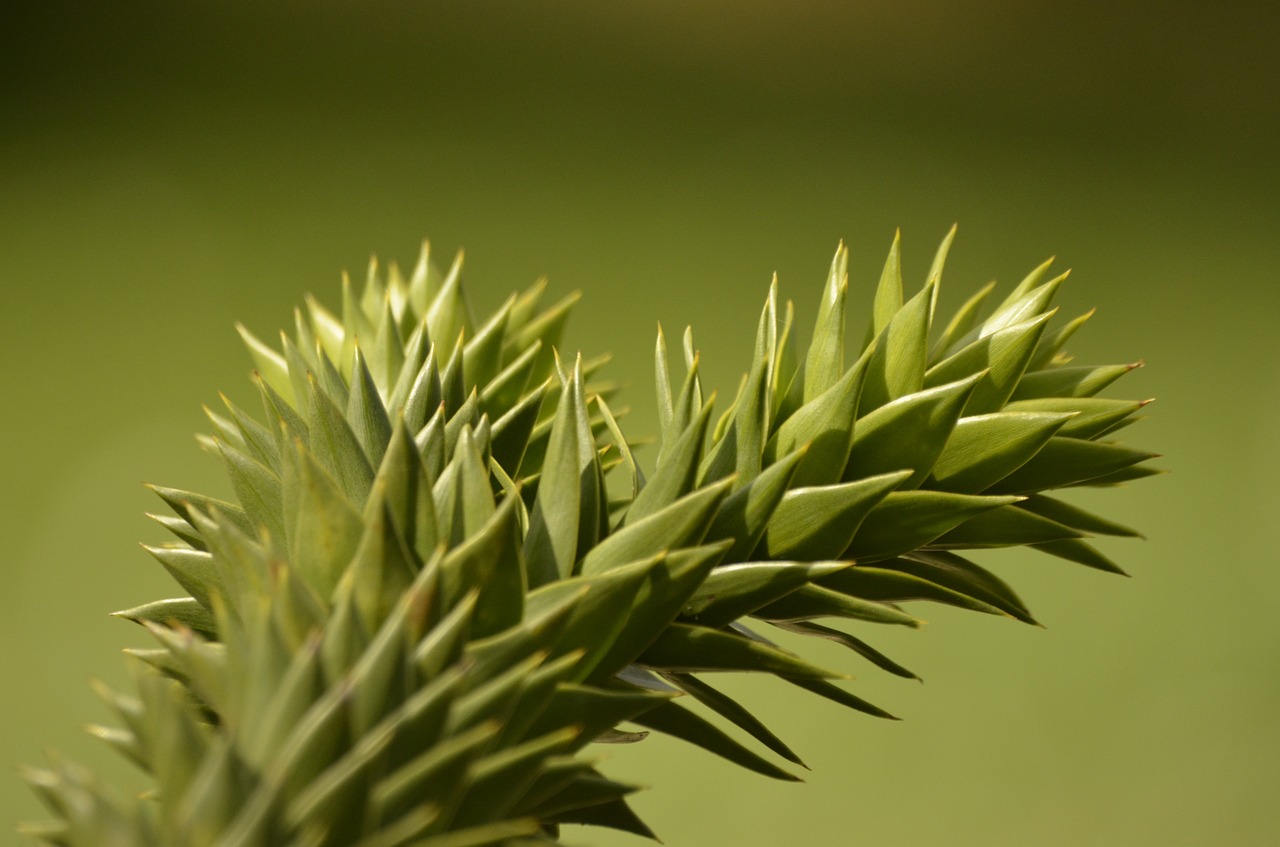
983	449
818	523
909	433
906	520
1067	461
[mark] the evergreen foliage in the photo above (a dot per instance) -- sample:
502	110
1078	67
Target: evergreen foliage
426	605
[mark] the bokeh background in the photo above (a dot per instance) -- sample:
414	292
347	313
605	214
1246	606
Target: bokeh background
169	168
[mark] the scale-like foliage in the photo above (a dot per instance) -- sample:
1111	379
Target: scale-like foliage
425	604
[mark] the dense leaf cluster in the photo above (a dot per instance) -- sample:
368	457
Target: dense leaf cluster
426	604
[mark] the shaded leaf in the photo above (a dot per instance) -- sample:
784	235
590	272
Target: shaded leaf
594	626
744	514
676	472
324	528
681	524
338	450
817	630
365	412
615	814
497	781
547	328
624	448
437	773
955	572
1005	526
257	488
1074	381
1048	351
733	591
1090	416
814	601
826	425
1080	552
692	648
511	431
505	390
678	722
892	586
490	563
836	694
595	710
667	588
733	711
1075	517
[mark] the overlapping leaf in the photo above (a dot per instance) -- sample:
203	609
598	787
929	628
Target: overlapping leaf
430	598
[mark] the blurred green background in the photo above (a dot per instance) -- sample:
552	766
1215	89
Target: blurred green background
168	168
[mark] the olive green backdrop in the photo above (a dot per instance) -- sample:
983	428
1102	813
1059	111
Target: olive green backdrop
168	168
